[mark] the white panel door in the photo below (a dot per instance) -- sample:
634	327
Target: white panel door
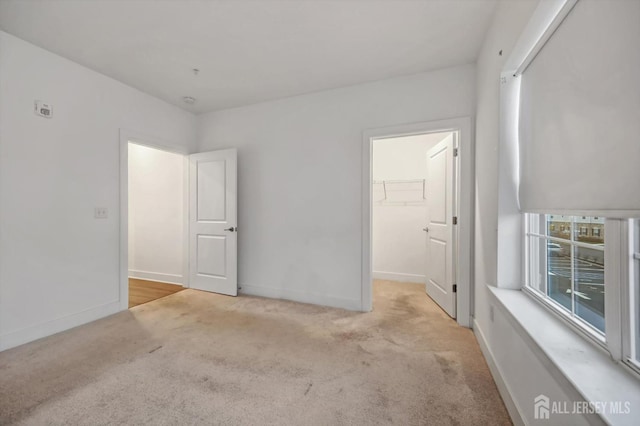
440	236
213	237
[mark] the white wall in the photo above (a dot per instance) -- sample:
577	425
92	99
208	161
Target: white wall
509	21
509	352
405	157
300	178
58	265
156	214
398	241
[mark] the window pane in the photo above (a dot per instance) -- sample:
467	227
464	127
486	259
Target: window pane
589	229
566	263
559	226
589	285
559	272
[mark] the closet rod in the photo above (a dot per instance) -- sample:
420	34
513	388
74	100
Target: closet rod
398	181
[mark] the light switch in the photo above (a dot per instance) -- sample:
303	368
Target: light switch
101	213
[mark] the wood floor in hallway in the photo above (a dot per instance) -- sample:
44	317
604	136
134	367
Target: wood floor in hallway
144	291
202	358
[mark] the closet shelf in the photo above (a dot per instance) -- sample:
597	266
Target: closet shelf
388	184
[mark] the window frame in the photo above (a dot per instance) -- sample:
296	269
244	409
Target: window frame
630	311
621	338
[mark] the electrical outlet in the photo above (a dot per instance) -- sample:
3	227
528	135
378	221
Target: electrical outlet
101	213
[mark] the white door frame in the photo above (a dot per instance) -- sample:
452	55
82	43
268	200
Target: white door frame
464	207
127	136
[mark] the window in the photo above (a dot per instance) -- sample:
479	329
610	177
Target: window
567	269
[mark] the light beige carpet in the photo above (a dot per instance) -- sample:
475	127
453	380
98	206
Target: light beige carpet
201	358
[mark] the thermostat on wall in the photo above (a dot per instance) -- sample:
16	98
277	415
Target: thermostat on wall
43	109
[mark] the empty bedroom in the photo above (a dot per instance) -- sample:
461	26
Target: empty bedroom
319	212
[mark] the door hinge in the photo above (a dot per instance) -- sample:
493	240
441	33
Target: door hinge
455	152
455	220
455	288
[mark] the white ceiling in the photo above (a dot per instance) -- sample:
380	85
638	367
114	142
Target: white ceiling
251	51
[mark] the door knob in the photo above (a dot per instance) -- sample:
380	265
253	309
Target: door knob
232	229
425	229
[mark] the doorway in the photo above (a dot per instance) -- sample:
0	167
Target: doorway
156	217
417	212
405	170
197	194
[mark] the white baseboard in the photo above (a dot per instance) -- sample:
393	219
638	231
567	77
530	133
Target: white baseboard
399	276
303	297
38	331
503	388
157	276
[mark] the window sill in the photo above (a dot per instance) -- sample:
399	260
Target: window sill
557	311
580	365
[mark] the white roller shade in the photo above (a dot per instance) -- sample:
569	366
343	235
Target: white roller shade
580	114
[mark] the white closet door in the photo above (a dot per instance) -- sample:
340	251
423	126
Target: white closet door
440	241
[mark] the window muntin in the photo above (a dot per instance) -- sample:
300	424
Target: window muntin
566	266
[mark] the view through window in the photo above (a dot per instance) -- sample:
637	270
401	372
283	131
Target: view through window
566	264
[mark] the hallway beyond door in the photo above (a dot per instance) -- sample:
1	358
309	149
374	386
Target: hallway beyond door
144	291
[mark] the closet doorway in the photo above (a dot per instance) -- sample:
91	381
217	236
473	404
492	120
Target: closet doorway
417	217
405	255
